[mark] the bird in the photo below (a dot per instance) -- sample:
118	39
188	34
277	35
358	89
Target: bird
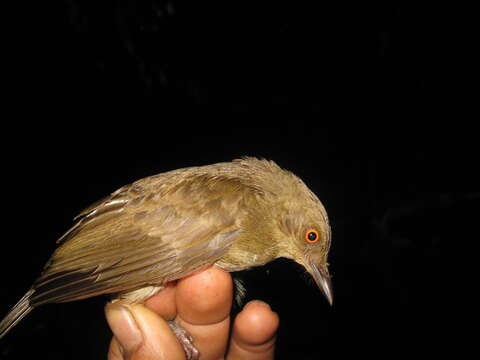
234	215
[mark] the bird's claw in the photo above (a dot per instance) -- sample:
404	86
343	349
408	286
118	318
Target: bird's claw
191	352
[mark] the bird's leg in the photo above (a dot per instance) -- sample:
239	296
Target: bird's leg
186	340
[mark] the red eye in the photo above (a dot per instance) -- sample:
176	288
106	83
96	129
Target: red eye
311	236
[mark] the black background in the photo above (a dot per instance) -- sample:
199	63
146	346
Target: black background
362	102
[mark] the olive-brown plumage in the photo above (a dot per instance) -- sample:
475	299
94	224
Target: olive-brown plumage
234	215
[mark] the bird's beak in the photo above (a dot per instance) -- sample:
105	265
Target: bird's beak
322	278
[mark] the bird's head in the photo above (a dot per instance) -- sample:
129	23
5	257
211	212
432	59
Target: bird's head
283	218
306	235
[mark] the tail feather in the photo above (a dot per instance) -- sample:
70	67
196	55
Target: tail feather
17	313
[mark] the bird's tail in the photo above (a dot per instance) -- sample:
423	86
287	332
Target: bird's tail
17	313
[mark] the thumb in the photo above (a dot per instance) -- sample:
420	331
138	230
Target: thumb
140	333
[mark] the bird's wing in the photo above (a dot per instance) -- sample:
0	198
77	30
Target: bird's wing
143	234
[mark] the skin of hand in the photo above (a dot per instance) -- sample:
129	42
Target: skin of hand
201	304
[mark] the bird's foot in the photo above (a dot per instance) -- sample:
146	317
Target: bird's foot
186	340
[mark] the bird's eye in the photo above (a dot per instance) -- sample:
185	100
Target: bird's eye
311	236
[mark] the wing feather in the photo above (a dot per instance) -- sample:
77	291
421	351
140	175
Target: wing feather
143	234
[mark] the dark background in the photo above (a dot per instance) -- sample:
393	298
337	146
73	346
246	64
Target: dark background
365	103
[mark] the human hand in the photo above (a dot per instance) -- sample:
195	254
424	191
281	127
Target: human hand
201	304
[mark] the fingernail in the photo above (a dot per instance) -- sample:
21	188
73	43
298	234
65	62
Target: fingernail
124	327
